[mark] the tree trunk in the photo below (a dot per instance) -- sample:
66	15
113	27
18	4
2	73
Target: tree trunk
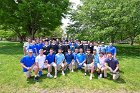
132	41
112	39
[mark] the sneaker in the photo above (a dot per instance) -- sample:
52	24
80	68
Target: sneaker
55	77
90	77
36	78
72	70
100	75
63	73
85	74
49	76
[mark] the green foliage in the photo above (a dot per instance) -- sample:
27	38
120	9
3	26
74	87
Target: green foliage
107	20
27	17
6	34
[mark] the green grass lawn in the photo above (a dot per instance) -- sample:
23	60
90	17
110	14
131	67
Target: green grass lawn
12	78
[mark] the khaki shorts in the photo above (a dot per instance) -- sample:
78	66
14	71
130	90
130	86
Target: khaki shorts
89	66
28	73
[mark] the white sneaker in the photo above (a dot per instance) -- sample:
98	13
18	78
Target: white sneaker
55	77
49	76
100	75
90	77
85	74
63	73
72	70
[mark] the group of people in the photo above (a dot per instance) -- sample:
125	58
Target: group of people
66	55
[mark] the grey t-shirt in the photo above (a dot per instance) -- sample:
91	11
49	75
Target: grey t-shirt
89	58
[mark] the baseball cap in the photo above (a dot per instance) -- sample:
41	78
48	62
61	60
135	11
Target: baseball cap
30	50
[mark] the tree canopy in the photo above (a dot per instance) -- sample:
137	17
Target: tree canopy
28	17
107	20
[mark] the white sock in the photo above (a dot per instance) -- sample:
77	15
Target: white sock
91	75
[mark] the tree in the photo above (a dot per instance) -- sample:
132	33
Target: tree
28	17
108	20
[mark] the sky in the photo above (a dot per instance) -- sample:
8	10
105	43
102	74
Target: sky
66	20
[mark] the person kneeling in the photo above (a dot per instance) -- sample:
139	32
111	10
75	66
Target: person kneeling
112	65
59	59
81	59
89	63
41	64
50	59
101	64
28	65
69	60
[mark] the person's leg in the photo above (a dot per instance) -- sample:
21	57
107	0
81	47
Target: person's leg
28	74
49	71
76	65
63	67
36	70
115	76
72	64
55	67
85	65
40	72
99	71
92	70
105	72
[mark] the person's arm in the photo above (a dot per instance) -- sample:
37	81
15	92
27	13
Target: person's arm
36	62
36	51
24	50
63	59
24	66
84	60
106	65
114	52
22	63
117	68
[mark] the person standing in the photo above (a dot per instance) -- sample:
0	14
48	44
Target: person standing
46	48
26	46
111	49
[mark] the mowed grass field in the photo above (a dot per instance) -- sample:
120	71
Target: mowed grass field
12	79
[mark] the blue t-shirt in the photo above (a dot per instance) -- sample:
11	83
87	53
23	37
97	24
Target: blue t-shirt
69	58
111	49
112	63
102	49
72	48
96	59
50	58
27	61
59	58
80	57
75	55
33	47
39	46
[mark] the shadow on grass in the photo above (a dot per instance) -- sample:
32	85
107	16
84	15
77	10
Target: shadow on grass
127	50
10	48
120	80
